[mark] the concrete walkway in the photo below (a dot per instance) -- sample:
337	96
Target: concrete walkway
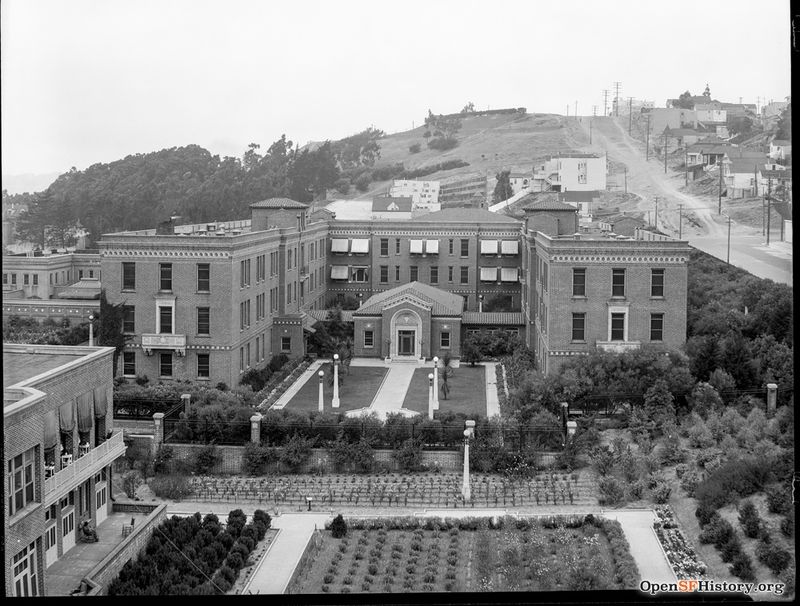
298	384
393	390
492	402
645	546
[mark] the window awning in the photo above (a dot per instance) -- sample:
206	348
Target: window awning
360	245
339	245
432	247
488	274
509	247
488	247
338	272
508	274
415	247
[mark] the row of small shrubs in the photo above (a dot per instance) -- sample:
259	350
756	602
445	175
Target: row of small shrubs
247	537
627	573
734	479
257	378
466	523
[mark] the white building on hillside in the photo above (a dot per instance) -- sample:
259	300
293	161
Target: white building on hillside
424	194
572	172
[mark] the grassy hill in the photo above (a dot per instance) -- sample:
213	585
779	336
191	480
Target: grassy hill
489	143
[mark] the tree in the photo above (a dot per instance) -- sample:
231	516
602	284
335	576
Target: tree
785	124
685	101
131	482
445	374
470	351
469	107
338	527
361	149
109	327
312	173
503	189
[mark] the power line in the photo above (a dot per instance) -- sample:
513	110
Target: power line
605	101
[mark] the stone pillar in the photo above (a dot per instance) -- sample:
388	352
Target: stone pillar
772	398
186	399
572	427
430	396
466	491
158	429
335	402
320	405
436	383
255	429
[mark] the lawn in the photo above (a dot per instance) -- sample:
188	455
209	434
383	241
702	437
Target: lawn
467	391
357	391
530	558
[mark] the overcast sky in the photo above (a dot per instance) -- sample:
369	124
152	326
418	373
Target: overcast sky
87	81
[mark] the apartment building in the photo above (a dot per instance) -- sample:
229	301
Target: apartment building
211	302
46	275
59	445
572	172
471	191
594	290
424	194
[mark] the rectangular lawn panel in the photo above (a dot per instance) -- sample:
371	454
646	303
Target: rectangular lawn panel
357	391
467	391
534	558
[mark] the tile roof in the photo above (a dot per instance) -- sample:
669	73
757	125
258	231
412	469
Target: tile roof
83	289
321	315
781	142
464	215
745	165
442	303
278	203
548	205
493	318
392	204
578	196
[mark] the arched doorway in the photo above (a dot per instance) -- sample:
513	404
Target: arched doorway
406	331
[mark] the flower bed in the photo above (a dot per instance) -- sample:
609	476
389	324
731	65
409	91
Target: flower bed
502	385
682	556
281	381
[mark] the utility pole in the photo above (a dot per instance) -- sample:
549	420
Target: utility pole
719	207
630	114
616	98
567	110
626	179
686	168
755	178
594	110
605	102
728	261
647	141
769	201
680	221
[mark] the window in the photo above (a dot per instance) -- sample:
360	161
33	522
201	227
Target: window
579	327
36	279
384	274
464	248
247	355
656	327
5	278
165	365
414	273
450	246
286	343
464	274
450	274
203	320
579	282
434	274
396	273
203	277
244	273
165	320
369	338
165	276
128	319
397	246
384	247
657	283
617	327
444	340
26	279
20	481
359	274
129	363
14	279
617	282
26	579
80	276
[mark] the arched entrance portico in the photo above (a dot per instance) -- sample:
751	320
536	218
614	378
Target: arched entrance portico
406	334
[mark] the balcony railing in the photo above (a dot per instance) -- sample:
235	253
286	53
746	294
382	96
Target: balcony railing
164	341
618	346
82	468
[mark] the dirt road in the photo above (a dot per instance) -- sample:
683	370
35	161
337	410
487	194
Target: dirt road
701	225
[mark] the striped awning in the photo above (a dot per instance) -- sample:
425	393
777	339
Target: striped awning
338	272
509	247
415	247
432	247
509	274
360	246
339	245
488	247
488	274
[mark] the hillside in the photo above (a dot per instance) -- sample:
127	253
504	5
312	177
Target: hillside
489	143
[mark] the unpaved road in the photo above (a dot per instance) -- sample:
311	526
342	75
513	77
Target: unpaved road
701	225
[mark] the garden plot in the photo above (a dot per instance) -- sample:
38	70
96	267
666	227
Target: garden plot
467	391
403	555
357	390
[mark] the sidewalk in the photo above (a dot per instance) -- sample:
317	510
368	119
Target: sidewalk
392	392
492	403
644	544
297	385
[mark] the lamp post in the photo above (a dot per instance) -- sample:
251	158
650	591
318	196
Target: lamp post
320	406
430	396
91	331
436	383
480	303
468	432
335	402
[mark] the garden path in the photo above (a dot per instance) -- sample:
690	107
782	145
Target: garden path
393	390
297	385
645	547
492	403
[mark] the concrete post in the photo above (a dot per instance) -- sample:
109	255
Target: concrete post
436	383
772	398
186	399
158	429
572	427
466	492
430	396
335	380
320	405
255	428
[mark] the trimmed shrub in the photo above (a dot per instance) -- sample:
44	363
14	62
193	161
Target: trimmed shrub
206	458
779	499
787	525
338	527
749	519
731	548
742	567
772	556
612	491
717	531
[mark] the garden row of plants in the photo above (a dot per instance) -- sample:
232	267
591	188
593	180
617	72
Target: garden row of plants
184	553
681	555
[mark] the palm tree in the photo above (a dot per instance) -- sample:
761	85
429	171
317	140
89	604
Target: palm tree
446	373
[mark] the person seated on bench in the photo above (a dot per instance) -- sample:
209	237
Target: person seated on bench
89	533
